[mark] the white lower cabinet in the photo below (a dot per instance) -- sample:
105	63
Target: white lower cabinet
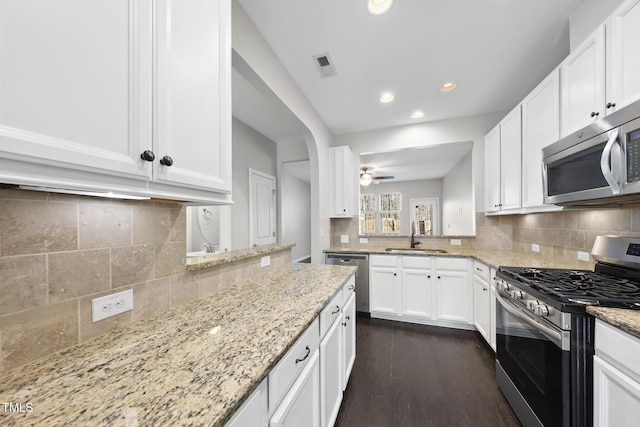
616	377
301	405
418	289
254	411
349	341
484	302
331	355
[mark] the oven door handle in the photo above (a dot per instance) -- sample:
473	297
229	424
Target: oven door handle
553	335
605	160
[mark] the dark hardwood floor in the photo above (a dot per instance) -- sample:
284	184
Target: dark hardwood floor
415	375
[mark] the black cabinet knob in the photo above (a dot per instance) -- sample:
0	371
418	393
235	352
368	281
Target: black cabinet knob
594	114
611	104
148	156
166	161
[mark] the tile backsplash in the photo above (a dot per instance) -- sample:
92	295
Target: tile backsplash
58	252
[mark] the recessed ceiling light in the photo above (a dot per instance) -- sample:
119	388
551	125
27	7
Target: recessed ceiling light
448	87
386	97
417	114
378	7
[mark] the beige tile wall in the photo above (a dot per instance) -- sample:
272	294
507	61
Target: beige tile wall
558	234
58	252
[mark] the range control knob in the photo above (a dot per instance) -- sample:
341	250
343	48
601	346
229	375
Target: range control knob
516	294
503	286
542	310
532	304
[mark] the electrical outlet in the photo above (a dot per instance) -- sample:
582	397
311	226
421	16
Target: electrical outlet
344	238
456	242
265	261
111	305
535	247
583	256
364	240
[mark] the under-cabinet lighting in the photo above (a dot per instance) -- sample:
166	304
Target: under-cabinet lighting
108	194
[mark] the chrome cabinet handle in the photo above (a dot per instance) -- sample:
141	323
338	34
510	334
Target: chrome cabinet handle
352	287
337	310
305	356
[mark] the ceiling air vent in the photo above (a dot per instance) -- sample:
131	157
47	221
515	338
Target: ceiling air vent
324	65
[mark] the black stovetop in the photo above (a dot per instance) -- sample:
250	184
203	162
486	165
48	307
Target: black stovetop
579	287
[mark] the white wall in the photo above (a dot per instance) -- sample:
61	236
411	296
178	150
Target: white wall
248	43
296	215
430	133
587	17
410	190
458	213
252	150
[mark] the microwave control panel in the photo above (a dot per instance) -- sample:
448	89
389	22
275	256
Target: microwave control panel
633	156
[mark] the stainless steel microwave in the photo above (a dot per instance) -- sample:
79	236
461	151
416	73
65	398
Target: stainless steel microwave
598	165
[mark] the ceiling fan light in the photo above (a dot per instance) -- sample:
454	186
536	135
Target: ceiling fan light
365	179
378	7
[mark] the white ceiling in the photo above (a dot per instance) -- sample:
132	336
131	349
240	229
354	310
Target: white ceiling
413	164
496	50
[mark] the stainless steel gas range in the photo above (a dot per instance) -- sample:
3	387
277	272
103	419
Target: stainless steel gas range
545	338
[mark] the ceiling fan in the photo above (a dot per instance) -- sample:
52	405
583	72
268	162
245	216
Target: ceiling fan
367	178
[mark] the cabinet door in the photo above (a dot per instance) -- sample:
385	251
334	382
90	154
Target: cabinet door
383	290
452	296
342	178
192	106
540	127
254	411
301	405
511	160
616	396
482	307
492	170
623	43
73	82
582	89
492	313
417	289
349	338
331	373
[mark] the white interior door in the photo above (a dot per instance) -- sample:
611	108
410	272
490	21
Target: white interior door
262	208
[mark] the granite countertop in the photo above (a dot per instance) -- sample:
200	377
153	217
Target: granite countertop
193	365
626	320
494	258
219	258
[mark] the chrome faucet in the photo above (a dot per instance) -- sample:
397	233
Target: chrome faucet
414	243
209	248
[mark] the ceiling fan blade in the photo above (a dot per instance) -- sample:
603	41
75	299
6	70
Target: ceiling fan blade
384	177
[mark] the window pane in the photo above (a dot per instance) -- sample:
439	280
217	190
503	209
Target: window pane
367	223
390	202
368	202
389	222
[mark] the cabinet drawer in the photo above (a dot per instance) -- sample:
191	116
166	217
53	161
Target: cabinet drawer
287	370
443	263
482	270
330	313
348	289
416	262
616	345
383	260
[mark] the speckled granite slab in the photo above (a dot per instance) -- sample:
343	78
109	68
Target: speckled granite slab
493	258
626	320
211	260
193	365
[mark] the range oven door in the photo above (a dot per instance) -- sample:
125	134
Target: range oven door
529	351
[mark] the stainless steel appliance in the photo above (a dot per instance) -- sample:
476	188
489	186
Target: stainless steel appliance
361	261
599	164
545	337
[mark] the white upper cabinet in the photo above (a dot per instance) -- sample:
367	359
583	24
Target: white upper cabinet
342	175
99	95
540	127
503	157
582	76
623	61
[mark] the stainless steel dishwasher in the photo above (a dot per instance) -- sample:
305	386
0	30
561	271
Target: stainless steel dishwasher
362	275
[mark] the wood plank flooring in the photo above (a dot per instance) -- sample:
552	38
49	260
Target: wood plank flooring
415	375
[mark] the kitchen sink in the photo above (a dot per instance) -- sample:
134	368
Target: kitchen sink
422	251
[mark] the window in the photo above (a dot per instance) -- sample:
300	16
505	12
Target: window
380	212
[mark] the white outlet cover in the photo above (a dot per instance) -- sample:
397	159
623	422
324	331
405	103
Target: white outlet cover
456	242
344	238
535	247
583	256
111	305
265	261
364	240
